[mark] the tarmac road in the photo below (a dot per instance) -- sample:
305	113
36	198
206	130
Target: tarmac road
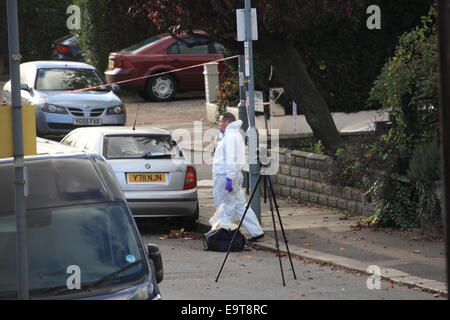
190	273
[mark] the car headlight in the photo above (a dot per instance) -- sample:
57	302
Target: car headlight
52	108
145	293
116	109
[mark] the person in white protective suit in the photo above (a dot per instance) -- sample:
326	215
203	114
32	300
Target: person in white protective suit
229	159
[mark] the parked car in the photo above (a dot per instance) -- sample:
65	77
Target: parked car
47	86
150	166
67	49
77	219
158	54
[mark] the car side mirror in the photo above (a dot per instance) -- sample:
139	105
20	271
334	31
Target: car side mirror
115	88
155	255
24	86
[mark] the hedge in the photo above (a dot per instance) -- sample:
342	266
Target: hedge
40	23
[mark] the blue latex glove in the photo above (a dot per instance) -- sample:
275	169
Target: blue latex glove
229	185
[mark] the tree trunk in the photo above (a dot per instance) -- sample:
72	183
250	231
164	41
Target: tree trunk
291	72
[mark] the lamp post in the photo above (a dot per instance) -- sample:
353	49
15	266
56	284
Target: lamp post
19	162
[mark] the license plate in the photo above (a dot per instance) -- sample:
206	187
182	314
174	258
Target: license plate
146	177
87	122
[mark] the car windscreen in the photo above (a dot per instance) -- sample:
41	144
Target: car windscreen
141	44
57	79
97	241
141	146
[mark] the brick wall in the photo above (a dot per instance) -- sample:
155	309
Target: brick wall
302	177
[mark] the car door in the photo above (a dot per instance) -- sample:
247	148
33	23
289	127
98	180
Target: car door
181	55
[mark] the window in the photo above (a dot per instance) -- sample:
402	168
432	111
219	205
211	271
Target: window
53	79
69	141
182	47
82	141
98	239
135	147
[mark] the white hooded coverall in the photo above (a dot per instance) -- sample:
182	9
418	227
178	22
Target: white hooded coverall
229	160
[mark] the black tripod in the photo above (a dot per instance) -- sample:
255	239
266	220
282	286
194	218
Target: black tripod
267	183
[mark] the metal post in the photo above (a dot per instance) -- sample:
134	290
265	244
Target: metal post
242	106
444	109
252	133
19	163
242	109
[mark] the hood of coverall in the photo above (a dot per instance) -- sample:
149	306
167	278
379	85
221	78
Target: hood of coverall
234	126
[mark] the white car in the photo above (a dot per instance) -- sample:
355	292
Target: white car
150	167
48	84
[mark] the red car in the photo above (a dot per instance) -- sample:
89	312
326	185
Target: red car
160	54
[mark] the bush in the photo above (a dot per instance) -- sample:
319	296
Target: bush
394	205
40	23
424	165
406	157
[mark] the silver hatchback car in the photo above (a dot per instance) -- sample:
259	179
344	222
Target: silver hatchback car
150	167
48	84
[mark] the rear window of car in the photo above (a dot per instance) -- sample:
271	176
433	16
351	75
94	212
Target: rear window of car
141	147
140	45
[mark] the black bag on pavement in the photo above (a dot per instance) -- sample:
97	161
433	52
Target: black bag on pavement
220	239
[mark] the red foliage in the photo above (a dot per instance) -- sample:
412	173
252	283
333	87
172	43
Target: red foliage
283	18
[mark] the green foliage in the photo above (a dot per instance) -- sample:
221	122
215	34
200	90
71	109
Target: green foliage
40	23
394	205
408	86
429	208
106	27
424	165
308	144
400	168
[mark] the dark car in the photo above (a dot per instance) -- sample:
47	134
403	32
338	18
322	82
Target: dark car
67	49
77	221
158	54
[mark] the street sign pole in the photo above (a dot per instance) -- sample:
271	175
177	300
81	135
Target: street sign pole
19	163
444	110
242	108
252	133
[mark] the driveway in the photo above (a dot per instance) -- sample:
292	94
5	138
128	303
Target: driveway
185	108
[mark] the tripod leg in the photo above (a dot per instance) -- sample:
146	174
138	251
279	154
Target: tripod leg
240	224
277	244
272	193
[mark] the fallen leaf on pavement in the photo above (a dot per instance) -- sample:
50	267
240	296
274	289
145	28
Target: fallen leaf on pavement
308	244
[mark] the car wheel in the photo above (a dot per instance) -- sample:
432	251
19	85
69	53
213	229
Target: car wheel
162	88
